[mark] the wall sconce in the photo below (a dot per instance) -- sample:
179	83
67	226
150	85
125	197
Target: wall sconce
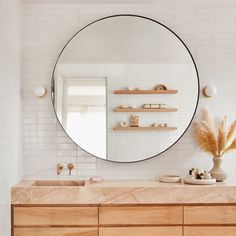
209	91
40	91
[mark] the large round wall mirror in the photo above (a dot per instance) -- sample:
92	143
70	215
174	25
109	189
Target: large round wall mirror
125	88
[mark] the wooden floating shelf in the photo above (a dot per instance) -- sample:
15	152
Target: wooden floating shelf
148	128
145	110
145	91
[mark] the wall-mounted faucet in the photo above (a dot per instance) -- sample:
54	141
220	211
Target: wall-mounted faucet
70	167
59	168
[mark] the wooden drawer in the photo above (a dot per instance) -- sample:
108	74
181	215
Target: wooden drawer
210	231
141	231
53	216
140	215
55	232
210	215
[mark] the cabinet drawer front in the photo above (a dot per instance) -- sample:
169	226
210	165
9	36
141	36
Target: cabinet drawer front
140	215
141	231
210	215
55	232
53	216
210	231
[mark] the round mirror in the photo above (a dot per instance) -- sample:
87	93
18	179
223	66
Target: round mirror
125	88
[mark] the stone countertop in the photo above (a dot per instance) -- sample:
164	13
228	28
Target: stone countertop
124	192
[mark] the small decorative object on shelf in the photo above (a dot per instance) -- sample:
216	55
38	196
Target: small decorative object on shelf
216	144
155	106
131	88
133	107
134	121
123	124
165	125
147	106
199	177
144	128
160	87
123	107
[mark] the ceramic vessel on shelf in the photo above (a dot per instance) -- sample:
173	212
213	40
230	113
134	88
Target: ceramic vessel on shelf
217	171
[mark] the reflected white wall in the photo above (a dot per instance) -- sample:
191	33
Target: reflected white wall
10	106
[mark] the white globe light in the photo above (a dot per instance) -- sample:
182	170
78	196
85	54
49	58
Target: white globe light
210	91
39	91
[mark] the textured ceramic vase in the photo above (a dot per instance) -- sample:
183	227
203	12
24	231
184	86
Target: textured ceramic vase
217	171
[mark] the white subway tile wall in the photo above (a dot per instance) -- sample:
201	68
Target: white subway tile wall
207	27
10	106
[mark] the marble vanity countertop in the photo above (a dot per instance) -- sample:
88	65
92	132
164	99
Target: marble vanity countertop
124	192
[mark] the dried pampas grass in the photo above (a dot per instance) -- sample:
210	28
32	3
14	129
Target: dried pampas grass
213	140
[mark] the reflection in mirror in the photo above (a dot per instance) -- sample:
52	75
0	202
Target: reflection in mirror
80	104
91	81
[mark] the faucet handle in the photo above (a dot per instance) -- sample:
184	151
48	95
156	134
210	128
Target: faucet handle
59	168
70	167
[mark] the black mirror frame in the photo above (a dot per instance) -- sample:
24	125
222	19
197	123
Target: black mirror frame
132	15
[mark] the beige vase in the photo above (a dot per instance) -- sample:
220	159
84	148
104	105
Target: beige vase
217	172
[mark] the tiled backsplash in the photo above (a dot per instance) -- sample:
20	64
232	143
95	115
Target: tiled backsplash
207	27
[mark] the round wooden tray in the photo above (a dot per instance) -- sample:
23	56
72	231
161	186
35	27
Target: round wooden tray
199	181
170	179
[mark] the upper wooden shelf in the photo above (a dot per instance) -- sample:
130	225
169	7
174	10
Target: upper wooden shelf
145	110
145	91
147	128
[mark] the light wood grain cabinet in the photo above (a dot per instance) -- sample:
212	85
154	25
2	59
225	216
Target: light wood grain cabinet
56	231
210	215
140	215
55	216
210	231
140	231
128	220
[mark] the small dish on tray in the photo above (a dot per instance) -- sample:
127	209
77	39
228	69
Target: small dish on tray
199	181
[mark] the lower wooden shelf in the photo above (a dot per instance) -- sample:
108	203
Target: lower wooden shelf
148	128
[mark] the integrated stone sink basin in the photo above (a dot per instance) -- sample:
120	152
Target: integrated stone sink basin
62	183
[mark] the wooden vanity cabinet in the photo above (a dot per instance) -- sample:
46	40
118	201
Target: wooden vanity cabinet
124	220
141	231
140	220
218	220
60	231
55	221
140	215
55	216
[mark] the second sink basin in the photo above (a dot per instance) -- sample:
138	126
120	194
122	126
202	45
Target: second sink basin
58	183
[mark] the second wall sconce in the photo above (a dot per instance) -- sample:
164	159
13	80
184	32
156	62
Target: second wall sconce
209	91
40	91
